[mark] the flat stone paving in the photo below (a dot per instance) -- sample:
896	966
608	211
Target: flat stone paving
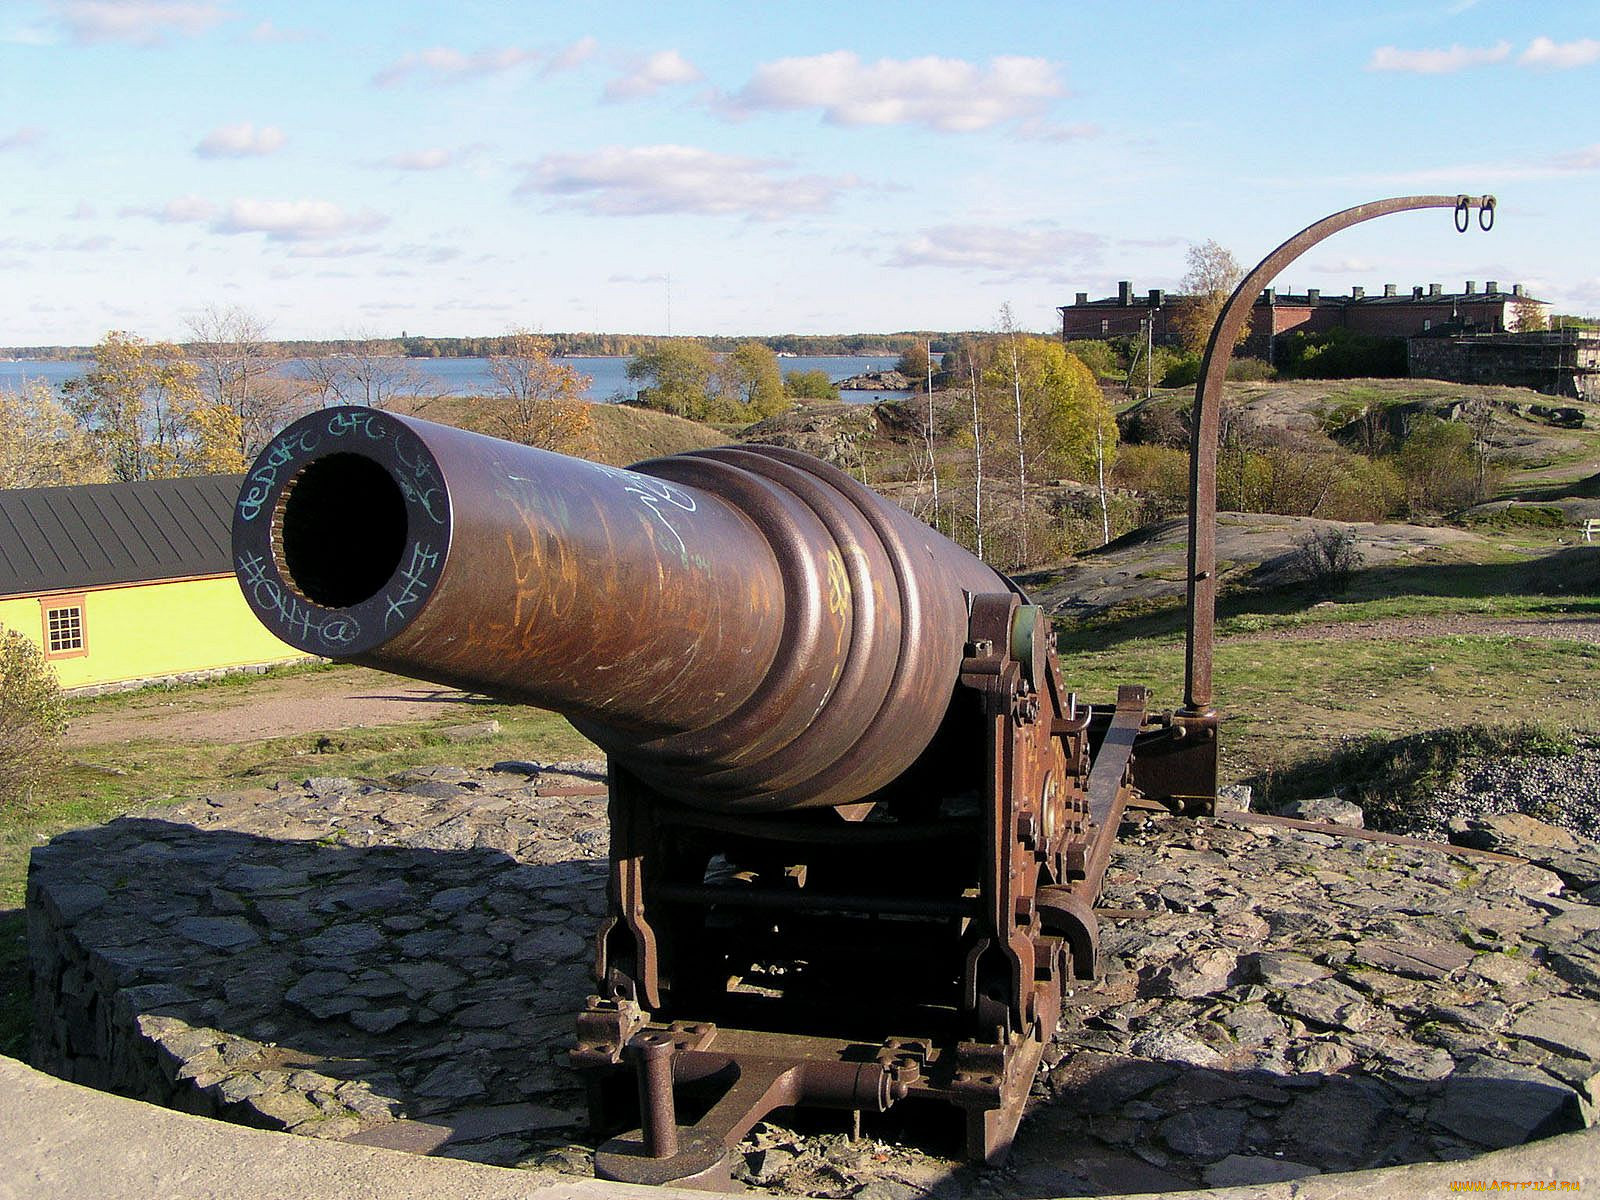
352	959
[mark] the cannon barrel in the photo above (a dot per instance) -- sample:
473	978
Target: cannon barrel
745	628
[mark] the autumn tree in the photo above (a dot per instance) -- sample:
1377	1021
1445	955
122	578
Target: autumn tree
1527	315
1067	429
750	375
235	372
134	402
1212	275
544	396
41	445
916	363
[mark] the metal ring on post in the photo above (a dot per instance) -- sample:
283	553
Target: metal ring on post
1486	214
1463	215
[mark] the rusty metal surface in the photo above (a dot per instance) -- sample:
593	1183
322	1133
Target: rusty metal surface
934	935
858	825
1107	787
745	628
1202	559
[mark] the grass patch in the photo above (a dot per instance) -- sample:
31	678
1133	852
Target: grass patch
1509	587
1286	702
1518	517
1395	780
235	681
618	434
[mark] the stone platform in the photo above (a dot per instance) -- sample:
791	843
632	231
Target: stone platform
369	961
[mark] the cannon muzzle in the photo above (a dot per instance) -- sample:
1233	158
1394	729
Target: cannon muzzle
745	628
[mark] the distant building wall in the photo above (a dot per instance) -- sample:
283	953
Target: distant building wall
1557	363
1390	314
144	631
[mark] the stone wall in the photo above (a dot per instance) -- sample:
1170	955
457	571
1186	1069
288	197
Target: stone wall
364	959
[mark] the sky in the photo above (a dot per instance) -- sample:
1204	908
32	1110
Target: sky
365	168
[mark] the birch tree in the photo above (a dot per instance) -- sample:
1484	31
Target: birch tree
1212	275
235	372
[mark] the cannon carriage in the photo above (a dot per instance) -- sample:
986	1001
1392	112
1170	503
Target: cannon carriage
858	823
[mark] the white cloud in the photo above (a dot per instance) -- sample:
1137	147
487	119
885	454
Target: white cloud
568	57
1560	56
664	68
243	140
1013	252
947	94
647	180
1437	62
136	22
20	139
1350	265
1449	176
296	220
441	64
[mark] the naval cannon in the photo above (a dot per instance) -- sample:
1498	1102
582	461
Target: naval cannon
858	823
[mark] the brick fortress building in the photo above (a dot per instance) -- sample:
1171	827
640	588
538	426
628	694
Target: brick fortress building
1275	314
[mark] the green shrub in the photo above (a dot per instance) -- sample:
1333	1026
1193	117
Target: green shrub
1181	370
1159	475
1099	356
1324	559
1366	490
810	385
1251	370
31	718
1341	354
1440	466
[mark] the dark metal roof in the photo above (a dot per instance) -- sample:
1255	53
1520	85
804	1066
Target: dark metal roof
106	533
1288	299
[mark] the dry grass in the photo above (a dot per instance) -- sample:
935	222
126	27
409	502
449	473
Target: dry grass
618	434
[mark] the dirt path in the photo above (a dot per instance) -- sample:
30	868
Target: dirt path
270	707
1563	629
355	696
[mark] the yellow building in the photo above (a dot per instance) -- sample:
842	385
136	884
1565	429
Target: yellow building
121	583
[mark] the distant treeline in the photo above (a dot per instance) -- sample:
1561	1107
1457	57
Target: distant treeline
620	345
631	345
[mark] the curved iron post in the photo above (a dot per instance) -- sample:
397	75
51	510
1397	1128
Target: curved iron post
1203	440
